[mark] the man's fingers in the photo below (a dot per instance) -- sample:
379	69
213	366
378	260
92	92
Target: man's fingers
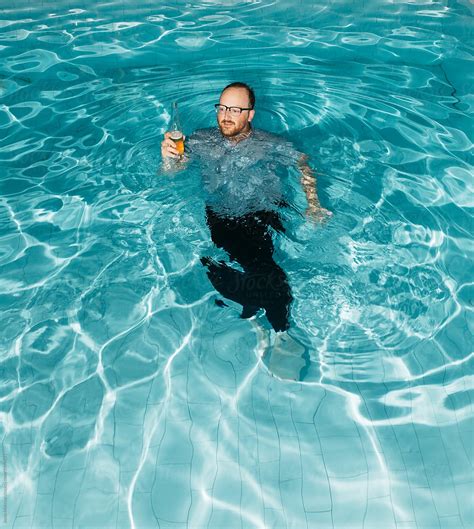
169	150
318	215
168	146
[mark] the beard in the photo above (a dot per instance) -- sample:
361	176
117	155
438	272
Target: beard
229	128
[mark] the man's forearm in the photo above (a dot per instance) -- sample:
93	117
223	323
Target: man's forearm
308	181
173	165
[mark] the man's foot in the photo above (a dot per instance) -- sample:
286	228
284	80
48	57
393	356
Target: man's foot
286	358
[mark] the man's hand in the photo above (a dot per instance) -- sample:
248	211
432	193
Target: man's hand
168	147
318	214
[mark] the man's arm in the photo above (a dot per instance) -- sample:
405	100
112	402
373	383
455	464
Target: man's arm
171	166
308	181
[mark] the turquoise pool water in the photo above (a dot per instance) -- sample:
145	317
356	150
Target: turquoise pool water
128	398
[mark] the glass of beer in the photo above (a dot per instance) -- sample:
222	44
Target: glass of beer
177	137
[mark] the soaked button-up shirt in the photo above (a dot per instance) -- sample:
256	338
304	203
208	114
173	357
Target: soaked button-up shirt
242	177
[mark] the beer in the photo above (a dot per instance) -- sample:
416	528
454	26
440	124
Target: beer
176	130
177	137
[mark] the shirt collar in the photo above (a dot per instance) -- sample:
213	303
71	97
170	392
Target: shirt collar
244	137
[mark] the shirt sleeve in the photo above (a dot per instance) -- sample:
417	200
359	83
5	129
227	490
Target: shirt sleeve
286	152
282	149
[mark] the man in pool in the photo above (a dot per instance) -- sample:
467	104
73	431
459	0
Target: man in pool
240	172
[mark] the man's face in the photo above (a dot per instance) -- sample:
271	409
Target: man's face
230	124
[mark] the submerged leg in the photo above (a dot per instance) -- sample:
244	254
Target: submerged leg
232	284
248	240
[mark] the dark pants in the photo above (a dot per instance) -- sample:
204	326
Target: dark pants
263	284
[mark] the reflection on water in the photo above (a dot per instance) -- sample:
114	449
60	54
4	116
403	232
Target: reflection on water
130	399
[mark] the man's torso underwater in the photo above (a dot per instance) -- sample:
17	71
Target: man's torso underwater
242	177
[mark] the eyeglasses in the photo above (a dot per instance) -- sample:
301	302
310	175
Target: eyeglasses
234	111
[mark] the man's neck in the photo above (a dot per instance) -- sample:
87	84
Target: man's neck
241	136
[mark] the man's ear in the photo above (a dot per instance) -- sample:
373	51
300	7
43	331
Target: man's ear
251	115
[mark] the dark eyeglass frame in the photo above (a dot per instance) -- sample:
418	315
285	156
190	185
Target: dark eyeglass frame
217	106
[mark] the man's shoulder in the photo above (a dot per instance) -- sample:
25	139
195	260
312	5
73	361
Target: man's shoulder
265	134
279	142
200	140
273	137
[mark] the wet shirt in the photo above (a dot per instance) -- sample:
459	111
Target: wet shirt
242	177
